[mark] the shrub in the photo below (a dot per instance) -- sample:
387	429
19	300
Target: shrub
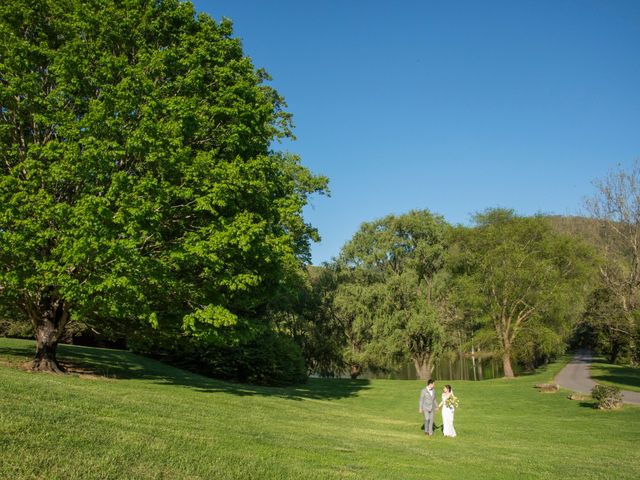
607	397
15	329
271	358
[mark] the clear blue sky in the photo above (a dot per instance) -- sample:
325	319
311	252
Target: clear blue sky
454	106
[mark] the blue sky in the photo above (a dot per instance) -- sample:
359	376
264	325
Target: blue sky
454	106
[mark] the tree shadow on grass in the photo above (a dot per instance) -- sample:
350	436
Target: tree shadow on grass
624	376
124	365
16	355
87	360
315	388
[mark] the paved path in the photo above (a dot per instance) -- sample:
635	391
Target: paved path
575	376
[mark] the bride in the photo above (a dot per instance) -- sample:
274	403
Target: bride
447	411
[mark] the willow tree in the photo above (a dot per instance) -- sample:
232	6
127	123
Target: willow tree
137	178
520	276
399	289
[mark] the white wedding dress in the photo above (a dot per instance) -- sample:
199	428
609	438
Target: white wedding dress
447	419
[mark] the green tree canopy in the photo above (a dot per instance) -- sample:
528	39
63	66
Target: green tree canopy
138	184
392	298
525	280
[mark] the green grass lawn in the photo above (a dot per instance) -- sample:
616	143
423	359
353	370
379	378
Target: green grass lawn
143	419
627	378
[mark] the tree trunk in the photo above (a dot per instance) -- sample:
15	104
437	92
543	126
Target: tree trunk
49	328
480	370
473	363
635	354
506	363
355	371
615	351
423	368
46	345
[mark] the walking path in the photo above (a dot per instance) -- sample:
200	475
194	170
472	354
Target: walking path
575	376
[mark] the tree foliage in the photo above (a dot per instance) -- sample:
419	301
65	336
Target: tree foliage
527	281
616	207
137	183
311	321
390	300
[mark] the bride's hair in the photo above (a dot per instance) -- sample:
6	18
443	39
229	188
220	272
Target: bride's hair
449	389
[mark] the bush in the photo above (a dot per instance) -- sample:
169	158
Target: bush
15	328
271	358
607	397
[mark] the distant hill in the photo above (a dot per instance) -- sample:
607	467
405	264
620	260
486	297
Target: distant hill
588	229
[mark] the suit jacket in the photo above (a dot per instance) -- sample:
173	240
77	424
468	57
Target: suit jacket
428	402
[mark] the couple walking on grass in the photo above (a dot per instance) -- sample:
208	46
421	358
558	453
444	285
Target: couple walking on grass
429	406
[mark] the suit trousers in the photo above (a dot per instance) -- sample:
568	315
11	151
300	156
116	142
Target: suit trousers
428	421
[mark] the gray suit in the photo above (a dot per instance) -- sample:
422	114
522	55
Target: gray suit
428	406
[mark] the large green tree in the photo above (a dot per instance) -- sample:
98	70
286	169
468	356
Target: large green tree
527	282
394	297
137	180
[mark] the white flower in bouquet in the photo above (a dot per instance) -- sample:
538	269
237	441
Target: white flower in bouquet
452	402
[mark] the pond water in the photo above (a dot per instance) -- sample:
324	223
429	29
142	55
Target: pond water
452	367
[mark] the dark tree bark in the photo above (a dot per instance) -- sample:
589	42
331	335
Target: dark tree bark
355	371
49	327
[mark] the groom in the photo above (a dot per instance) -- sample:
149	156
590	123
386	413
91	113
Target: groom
428	406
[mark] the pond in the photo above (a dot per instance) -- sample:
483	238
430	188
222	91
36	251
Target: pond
452	367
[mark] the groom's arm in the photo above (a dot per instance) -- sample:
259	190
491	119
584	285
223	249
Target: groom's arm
421	402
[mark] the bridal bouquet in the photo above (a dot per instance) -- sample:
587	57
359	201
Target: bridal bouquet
452	402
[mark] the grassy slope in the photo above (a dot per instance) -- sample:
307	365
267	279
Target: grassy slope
158	422
627	378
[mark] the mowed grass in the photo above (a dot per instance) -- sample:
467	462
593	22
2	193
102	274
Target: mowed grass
627	378
145	420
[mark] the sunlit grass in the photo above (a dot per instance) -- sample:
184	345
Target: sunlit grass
627	378
147	420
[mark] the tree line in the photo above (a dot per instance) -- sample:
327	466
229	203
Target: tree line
408	288
142	199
